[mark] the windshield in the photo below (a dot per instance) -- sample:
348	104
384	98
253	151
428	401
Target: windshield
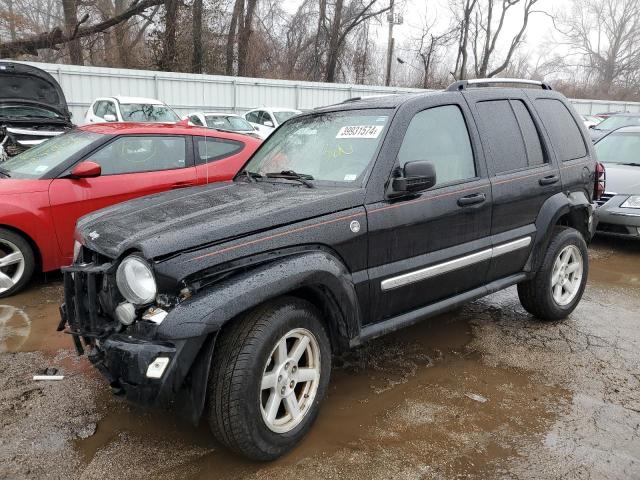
39	160
282	117
335	147
613	123
17	111
146	112
619	148
227	122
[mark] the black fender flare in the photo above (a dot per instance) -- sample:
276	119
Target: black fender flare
208	310
553	209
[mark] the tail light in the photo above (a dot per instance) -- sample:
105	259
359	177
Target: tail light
600	182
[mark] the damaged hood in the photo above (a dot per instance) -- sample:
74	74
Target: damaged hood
180	220
20	83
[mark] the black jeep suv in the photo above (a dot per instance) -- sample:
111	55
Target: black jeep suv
349	222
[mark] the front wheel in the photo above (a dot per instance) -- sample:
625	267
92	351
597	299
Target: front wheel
556	289
17	262
270	372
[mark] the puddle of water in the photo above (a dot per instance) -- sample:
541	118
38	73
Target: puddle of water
29	319
405	392
615	262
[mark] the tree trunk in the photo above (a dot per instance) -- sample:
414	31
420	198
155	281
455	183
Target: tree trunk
317	57
168	60
120	32
231	37
70	10
332	60
244	37
12	21
196	64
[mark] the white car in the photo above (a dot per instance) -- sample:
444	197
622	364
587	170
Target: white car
129	109
229	122
268	119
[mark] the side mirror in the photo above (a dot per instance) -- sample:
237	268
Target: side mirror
268	123
86	169
592	126
416	177
109	117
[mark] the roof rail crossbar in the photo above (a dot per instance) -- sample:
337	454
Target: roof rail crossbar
479	82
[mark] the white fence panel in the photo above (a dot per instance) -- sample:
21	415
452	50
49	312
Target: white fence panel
187	92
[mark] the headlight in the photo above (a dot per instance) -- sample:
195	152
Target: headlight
632	202
136	281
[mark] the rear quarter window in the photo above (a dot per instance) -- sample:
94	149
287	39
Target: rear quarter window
565	134
210	149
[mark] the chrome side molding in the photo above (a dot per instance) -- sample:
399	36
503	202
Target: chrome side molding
455	264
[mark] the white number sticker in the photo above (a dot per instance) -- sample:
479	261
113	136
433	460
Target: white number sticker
360	131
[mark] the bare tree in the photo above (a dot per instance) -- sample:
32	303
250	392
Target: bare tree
482	22
196	63
345	19
463	10
51	39
603	37
70	9
168	58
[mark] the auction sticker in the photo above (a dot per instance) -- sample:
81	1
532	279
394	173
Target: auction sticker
360	131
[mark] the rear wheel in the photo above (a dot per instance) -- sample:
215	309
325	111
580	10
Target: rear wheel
269	374
17	262
558	285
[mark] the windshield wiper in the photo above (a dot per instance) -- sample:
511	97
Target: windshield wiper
251	176
631	164
5	173
291	175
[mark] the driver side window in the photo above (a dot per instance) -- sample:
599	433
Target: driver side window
439	135
130	154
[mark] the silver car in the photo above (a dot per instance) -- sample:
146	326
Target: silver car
619	208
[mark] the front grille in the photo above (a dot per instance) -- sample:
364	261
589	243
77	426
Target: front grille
606	196
88	303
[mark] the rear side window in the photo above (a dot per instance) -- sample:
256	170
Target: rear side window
131	154
212	149
563	130
502	136
535	154
510	135
439	135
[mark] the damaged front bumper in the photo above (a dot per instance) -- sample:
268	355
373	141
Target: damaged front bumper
146	369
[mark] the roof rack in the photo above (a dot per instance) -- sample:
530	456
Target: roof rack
480	82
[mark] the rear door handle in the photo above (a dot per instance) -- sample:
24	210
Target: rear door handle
549	180
472	199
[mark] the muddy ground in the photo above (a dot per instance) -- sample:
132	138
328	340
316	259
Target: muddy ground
484	392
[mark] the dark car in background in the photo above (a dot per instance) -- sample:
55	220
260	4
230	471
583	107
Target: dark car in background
619	208
613	122
32	108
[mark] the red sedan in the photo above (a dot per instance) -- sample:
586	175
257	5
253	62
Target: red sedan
44	190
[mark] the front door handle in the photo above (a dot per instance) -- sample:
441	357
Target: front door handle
549	180
472	199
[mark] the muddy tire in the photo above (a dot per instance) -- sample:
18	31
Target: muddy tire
17	262
269	373
556	289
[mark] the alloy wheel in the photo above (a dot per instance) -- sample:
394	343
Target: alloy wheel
566	275
290	380
12	265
